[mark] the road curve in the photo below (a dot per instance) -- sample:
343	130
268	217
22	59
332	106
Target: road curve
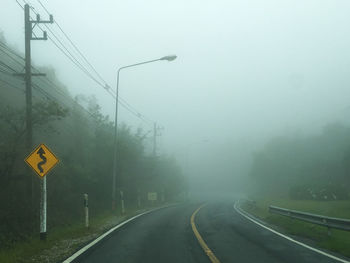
161	236
233	238
166	236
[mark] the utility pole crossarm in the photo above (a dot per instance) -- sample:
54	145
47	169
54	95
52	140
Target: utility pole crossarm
33	74
33	23
38	20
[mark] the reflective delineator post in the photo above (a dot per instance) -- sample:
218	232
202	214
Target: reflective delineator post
86	207
122	201
138	199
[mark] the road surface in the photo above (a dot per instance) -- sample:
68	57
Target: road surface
166	235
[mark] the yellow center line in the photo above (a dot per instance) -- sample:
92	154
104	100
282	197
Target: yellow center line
206	249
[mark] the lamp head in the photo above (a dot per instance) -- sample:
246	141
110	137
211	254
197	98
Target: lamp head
169	58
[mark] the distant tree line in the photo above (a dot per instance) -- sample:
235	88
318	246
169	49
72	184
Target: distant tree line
82	138
311	167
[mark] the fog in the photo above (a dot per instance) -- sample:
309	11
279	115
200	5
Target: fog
246	72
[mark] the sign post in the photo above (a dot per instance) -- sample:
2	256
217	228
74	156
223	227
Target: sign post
43	210
42	160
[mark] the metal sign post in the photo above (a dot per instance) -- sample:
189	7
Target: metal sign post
42	160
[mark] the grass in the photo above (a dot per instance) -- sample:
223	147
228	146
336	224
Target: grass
338	241
61	241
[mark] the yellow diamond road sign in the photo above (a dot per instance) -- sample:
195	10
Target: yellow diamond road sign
42	160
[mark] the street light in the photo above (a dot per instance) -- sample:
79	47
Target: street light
114	175
169	58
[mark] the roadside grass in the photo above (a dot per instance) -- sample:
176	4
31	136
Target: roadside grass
61	241
338	241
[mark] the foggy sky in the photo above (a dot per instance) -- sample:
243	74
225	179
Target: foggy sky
246	70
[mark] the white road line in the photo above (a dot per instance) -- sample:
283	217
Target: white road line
84	249
245	214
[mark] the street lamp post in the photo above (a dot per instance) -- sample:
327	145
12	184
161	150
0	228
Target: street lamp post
114	174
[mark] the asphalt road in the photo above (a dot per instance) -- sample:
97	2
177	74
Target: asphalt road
233	238
166	236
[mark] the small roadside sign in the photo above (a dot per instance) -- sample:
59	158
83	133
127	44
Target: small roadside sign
152	196
41	160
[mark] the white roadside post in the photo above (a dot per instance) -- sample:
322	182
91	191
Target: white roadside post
86	206
163	196
138	199
122	201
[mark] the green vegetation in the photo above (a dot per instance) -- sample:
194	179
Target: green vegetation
81	136
338	241
306	173
62	241
313	167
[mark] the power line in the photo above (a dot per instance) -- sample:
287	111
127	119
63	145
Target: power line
75	47
76	62
19	4
46	96
6	72
67	53
50	82
12	58
11	85
106	86
58	90
53	99
70	55
62	94
2	44
7	66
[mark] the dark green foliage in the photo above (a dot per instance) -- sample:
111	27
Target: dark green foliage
83	141
314	167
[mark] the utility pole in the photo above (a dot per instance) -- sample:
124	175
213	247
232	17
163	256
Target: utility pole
156	133
28	78
29	24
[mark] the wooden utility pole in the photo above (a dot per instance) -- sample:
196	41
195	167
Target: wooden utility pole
156	133
28	78
29	24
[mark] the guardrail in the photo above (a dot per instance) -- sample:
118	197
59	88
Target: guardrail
329	222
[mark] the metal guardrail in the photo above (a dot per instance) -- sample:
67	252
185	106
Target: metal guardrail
330	222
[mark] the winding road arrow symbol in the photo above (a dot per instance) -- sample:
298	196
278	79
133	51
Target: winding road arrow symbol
41	153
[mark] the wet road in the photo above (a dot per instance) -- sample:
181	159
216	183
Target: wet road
166	235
